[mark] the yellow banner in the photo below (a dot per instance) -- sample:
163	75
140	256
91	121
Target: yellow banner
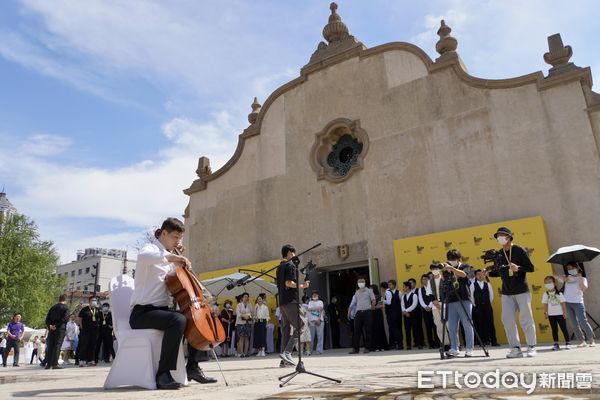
415	254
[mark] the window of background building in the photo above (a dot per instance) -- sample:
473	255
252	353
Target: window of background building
87	270
79	272
73	273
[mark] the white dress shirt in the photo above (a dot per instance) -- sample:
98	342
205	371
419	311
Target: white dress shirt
151	270
481	283
261	312
412	305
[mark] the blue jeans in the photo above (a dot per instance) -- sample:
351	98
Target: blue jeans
456	314
578	320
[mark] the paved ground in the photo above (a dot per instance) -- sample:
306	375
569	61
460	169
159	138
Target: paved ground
387	375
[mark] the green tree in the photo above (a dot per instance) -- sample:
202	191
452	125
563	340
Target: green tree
27	272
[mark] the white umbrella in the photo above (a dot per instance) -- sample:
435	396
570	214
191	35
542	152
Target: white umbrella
219	286
574	253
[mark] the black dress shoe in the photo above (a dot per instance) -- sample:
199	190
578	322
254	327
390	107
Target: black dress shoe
198	375
164	381
47	366
57	367
353	352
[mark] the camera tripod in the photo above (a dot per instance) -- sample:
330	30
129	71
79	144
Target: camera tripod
444	317
285	379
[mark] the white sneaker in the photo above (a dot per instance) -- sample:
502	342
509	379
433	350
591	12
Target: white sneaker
582	344
592	343
531	351
287	357
469	353
515	352
452	353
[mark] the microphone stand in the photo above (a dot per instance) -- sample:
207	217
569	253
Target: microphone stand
285	379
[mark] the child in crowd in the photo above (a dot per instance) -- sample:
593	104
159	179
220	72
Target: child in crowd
555	311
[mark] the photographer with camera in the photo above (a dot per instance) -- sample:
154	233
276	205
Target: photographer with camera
454	294
511	264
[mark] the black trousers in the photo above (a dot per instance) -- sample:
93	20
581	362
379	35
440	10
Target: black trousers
395	327
362	327
289	314
11	344
430	329
335	334
172	323
555	322
413	330
105	341
53	344
87	345
483	320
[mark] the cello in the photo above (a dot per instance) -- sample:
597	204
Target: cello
203	330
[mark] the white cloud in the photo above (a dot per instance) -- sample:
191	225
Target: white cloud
45	145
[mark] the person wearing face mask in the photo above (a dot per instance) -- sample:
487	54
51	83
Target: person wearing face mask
316	320
71	339
433	293
555	311
89	318
105	334
394	315
515	293
575	285
228	321
365	301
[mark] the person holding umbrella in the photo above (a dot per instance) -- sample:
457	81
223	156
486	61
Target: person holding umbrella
575	284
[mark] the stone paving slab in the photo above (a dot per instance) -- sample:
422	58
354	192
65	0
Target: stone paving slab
378	375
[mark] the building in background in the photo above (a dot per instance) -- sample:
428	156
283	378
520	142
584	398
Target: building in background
92	271
6	207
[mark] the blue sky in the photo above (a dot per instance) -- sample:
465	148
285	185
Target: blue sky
105	106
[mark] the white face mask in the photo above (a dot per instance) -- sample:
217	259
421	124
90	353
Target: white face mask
549	286
453	263
572	272
94	303
435	272
502	240
361	285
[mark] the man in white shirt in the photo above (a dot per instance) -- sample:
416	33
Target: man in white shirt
151	298
393	309
483	314
409	303
316	320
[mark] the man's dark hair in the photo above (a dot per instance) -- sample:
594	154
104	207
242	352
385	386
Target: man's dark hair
375	290
62	297
358	278
393	281
286	249
315	292
406	283
15	314
384	285
453	255
425	276
170	225
412	280
478	270
435	265
105	304
92	297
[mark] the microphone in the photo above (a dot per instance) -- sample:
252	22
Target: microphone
239	282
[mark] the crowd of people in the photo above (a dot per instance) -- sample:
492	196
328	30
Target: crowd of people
86	337
449	308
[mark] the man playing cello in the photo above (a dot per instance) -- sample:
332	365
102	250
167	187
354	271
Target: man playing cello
151	298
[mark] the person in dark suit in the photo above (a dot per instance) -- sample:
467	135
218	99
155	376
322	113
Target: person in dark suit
56	322
334	321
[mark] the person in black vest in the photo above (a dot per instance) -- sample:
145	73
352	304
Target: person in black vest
89	318
409	303
426	311
483	314
417	315
394	313
105	335
56	322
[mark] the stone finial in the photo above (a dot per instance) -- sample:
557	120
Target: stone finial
204	169
558	55
446	44
335	30
255	110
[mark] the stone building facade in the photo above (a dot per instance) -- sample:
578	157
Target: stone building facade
369	145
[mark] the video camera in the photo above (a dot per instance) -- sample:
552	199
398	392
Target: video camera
493	257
